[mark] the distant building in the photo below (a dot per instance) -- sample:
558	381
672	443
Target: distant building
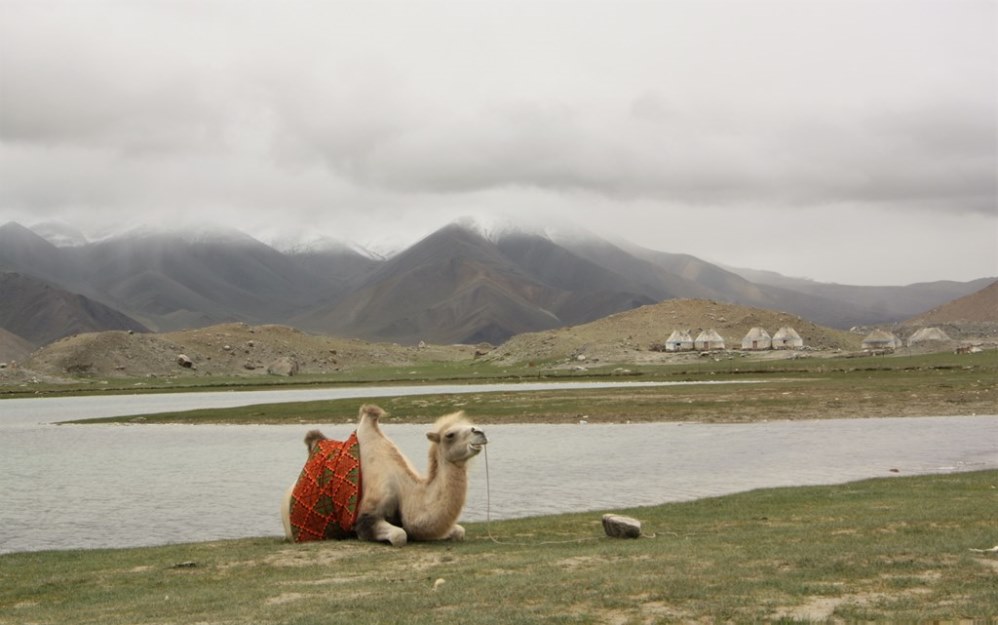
757	338
881	339
679	341
708	340
928	335
787	338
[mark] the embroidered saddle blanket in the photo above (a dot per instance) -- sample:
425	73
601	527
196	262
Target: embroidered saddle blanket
326	497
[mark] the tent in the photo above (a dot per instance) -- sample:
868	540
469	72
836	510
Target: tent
928	335
708	340
679	341
787	338
757	338
881	339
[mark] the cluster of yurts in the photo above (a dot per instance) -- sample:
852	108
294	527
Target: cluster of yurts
757	338
787	338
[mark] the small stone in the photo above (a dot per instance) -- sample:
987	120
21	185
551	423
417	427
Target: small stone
617	526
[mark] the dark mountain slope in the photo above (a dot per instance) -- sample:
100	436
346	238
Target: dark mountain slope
453	286
871	304
13	348
41	313
25	252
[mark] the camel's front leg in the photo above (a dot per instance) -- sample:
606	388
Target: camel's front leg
377	529
456	533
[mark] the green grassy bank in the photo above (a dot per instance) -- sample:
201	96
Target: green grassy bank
895	549
933	384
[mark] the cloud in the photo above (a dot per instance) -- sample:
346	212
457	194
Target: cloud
372	117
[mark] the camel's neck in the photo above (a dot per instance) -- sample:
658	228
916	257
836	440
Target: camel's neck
438	505
446	481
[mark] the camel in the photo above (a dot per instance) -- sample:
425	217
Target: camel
396	503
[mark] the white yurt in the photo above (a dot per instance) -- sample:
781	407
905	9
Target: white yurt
787	338
757	338
881	339
928	335
708	340
679	341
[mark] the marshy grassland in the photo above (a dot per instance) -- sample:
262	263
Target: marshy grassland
938	384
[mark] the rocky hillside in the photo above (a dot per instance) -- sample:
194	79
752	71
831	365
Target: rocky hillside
224	350
629	337
239	349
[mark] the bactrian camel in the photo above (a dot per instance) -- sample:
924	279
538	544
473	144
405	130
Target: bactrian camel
395	504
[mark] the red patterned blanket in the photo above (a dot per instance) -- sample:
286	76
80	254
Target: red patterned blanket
325	500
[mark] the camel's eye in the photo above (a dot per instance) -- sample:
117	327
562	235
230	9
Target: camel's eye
450	435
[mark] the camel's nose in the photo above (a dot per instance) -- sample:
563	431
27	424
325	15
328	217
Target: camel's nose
475	431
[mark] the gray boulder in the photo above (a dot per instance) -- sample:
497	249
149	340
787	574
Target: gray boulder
284	366
617	526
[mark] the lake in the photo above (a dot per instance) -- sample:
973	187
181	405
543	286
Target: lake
88	486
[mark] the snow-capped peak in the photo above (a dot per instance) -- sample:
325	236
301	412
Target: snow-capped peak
60	234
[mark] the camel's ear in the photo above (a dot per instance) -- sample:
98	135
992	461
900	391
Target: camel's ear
433	436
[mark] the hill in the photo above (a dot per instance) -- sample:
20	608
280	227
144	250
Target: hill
241	349
972	319
979	307
223	350
627	337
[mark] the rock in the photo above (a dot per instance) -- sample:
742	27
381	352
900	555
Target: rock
283	366
617	526
184	361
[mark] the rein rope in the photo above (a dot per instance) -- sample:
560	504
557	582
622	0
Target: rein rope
488	518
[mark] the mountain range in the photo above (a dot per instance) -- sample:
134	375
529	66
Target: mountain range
460	284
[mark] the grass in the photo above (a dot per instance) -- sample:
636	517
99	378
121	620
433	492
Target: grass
894	549
934	384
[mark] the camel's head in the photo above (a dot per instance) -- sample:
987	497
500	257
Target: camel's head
456	438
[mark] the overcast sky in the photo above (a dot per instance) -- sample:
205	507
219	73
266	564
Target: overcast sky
849	141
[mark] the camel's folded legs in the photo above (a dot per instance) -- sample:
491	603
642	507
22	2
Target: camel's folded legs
377	529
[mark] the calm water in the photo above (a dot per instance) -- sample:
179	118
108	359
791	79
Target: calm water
114	486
